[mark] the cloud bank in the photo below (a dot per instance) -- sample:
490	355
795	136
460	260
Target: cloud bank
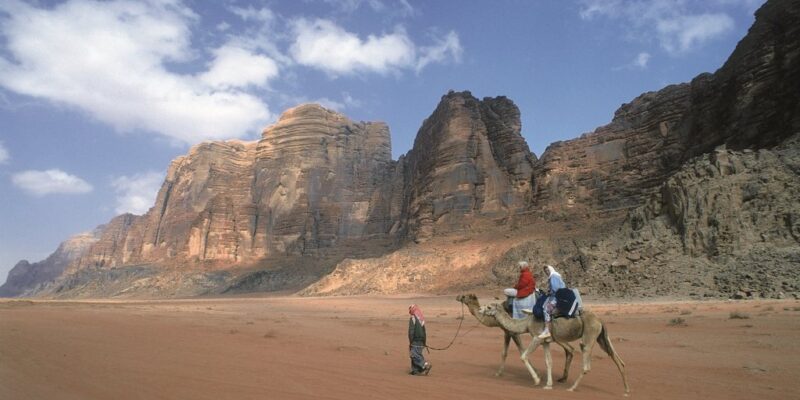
679	26
148	66
326	46
51	181
111	59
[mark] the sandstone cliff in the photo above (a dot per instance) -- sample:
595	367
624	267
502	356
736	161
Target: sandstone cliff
690	190
309	183
684	189
469	161
750	102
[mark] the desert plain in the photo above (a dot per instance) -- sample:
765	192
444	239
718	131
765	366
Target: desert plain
288	347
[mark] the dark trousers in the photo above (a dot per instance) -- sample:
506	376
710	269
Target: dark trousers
417	359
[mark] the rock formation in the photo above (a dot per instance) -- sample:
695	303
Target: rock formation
688	190
27	277
469	160
750	102
311	182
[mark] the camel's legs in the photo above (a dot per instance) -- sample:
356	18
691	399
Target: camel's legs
568	353
503	355
506	339
620	367
586	350
524	358
548	360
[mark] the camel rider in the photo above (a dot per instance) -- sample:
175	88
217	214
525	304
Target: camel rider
522	293
556	282
417	341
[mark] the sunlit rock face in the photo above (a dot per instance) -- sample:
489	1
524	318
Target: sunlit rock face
315	178
320	178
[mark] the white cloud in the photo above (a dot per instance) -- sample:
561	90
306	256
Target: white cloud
3	154
324	45
253	14
681	34
445	48
51	181
679	26
236	67
641	60
110	60
137	193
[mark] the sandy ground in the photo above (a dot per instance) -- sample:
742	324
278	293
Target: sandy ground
356	348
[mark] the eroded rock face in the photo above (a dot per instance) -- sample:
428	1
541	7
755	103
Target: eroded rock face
726	222
315	179
469	160
317	182
26	277
751	102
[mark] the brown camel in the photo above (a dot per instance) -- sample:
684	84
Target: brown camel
474	306
588	328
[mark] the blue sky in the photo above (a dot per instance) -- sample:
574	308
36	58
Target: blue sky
96	98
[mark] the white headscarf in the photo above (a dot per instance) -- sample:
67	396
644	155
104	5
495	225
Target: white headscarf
552	271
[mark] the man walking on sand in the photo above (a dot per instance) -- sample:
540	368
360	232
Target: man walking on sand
417	339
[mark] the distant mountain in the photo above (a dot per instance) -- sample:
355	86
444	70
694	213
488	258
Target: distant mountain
26	277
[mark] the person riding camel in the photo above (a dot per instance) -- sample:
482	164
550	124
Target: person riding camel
556	282
522	293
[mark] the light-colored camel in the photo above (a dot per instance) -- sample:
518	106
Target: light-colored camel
588	328
474	307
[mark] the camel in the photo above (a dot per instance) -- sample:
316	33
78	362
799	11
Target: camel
588	328
474	307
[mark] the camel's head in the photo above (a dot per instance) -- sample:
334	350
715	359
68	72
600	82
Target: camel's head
467	298
491	309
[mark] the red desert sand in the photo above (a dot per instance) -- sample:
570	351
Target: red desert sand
356	348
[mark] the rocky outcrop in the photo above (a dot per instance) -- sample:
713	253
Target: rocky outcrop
27	277
728	222
751	102
469	160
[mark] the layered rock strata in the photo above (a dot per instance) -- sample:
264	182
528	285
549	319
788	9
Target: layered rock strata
311	182
750	102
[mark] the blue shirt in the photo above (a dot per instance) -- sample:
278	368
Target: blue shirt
556	283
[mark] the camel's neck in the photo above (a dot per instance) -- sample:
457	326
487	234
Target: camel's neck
488	320
511	324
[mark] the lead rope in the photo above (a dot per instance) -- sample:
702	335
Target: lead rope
456	335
